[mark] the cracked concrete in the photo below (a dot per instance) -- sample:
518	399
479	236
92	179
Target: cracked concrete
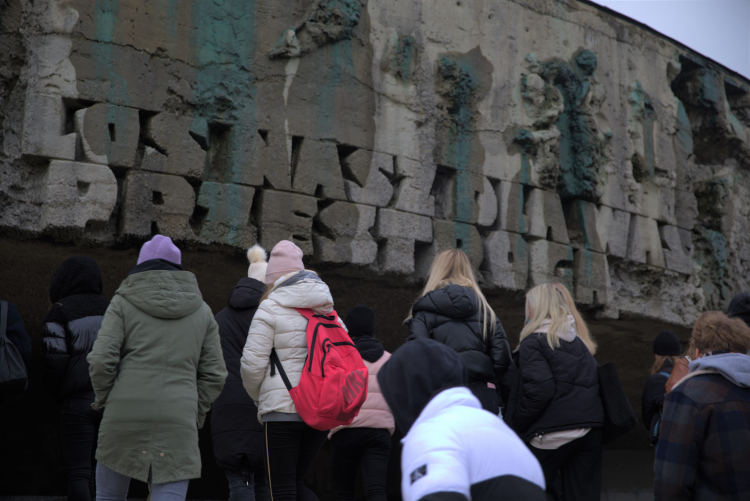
548	142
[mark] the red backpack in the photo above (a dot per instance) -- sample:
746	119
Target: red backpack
333	385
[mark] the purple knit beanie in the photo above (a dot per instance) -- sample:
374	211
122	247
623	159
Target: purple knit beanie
160	247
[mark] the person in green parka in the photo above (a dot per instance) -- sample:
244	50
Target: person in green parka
156	367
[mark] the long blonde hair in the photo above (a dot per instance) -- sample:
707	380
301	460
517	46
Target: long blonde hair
552	302
452	267
659	361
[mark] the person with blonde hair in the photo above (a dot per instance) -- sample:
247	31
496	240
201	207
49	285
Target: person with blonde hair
452	310
704	443
556	406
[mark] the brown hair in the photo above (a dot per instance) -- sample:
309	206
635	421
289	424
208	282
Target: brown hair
715	331
659	362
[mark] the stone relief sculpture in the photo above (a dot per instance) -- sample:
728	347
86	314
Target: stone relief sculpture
378	133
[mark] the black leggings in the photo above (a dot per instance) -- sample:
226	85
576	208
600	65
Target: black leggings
80	427
292	447
579	464
368	447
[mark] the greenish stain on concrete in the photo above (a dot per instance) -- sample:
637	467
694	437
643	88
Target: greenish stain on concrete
402	63
104	51
462	84
643	111
340	65
224	92
525	140
684	131
579	154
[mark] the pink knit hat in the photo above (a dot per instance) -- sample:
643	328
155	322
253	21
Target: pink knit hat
160	247
285	258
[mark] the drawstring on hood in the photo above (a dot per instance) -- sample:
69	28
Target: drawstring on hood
76	275
733	366
415	374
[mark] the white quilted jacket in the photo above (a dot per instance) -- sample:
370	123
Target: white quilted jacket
278	325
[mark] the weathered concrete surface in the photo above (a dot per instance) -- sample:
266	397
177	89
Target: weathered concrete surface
549	140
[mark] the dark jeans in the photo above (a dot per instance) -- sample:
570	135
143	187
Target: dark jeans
355	447
292	447
80	428
487	397
579	464
246	484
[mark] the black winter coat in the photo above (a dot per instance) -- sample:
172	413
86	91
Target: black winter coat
16	334
654	393
557	389
452	316
236	432
71	327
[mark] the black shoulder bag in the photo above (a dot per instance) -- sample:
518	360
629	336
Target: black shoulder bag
619	417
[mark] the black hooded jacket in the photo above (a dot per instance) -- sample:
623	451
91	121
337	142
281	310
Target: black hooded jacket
71	326
237	435
452	316
557	389
654	392
448	457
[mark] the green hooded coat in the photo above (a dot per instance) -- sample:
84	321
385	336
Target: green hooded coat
156	366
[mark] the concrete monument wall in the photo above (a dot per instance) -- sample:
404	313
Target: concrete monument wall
550	140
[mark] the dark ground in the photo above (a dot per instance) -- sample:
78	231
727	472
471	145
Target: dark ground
31	463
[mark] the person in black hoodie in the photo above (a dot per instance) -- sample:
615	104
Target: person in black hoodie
237	434
666	353
739	307
453	311
453	450
366	442
556	407
70	329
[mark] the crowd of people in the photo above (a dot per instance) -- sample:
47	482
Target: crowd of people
137	376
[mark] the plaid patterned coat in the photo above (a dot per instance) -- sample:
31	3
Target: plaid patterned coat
704	447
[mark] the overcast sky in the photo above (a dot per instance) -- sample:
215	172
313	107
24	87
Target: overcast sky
718	29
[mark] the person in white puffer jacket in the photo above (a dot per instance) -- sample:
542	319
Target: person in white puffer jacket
290	443
453	450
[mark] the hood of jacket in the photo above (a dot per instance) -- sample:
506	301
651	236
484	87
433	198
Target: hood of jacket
162	293
446	399
370	349
246	294
568	334
154	265
453	301
302	289
76	275
733	366
415	374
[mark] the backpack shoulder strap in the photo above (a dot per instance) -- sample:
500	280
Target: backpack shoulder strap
275	362
3	318
309	314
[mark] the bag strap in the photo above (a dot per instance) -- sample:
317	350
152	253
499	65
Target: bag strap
3	318
276	363
309	314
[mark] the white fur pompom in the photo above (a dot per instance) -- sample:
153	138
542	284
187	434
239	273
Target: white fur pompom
256	254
